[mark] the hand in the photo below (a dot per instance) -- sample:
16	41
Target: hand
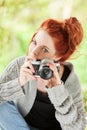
26	72
55	80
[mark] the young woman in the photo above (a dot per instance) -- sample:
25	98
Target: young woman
30	102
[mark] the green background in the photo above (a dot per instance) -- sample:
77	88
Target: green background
20	19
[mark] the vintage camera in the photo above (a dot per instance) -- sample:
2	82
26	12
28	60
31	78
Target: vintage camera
41	68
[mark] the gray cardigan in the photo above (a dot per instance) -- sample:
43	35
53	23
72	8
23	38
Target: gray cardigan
67	98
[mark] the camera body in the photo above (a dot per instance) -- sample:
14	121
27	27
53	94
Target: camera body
42	69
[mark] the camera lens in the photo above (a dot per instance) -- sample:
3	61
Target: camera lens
45	73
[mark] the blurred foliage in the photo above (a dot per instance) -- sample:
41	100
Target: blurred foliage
19	19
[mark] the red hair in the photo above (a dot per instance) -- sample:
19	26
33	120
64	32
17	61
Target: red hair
66	35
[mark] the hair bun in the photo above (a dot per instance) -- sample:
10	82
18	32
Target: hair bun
71	20
74	30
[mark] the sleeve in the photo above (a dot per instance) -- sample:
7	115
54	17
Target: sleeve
69	110
9	86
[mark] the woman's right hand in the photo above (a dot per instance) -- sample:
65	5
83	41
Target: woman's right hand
26	72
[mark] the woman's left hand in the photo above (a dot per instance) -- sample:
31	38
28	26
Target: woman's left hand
55	80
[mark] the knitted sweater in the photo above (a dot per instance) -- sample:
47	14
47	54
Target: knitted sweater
67	98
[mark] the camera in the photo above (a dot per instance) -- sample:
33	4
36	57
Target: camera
42	69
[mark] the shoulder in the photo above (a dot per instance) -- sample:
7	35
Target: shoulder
17	62
72	83
69	65
13	68
72	74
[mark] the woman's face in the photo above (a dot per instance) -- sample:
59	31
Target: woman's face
42	46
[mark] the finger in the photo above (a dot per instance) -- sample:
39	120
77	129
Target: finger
26	70
30	58
52	66
31	67
28	65
55	71
27	59
27	74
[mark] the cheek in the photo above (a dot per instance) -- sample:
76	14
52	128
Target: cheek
30	48
49	55
42	55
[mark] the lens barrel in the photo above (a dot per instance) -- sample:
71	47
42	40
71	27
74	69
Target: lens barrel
45	72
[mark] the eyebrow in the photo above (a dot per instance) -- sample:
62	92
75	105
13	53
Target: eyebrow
41	45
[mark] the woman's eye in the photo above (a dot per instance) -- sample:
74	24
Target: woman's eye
45	50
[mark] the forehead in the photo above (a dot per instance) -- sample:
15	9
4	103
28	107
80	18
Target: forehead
43	38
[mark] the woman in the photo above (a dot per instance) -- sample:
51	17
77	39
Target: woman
29	102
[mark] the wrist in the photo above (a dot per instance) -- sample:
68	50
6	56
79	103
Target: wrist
54	85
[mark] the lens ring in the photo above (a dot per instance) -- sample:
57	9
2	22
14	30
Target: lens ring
46	73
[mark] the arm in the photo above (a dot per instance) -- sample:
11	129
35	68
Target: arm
67	100
9	85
